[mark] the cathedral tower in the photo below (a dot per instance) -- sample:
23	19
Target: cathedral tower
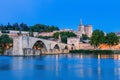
81	29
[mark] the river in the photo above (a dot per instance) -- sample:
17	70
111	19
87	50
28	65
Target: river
61	67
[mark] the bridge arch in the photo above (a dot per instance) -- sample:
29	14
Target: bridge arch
56	47
66	47
39	45
33	41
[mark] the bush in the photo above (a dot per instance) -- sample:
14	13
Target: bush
95	51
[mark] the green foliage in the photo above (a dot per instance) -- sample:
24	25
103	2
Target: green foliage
112	39
4	38
56	35
9	27
4	41
25	27
31	33
85	37
16	26
64	39
43	28
97	38
64	35
94	51
45	37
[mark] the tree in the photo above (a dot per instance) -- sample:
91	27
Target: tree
97	38
5	40
44	28
1	27
31	33
9	26
85	37
24	27
56	35
52	28
112	39
16	26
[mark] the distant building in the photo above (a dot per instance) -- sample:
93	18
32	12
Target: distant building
46	34
117	33
84	29
13	33
74	41
81	28
66	30
51	33
88	30
35	34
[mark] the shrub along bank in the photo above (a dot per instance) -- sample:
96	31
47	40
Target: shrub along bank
95	51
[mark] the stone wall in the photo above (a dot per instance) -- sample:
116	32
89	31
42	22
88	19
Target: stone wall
74	42
26	42
85	46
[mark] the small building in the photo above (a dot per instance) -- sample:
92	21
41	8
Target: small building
35	34
46	34
117	33
74	42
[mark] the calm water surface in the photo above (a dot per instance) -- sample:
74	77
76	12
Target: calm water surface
61	67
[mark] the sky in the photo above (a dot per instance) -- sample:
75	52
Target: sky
101	14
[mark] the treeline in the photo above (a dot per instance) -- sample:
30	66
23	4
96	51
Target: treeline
98	38
95	51
25	27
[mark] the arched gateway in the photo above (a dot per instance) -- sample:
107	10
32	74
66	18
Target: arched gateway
23	45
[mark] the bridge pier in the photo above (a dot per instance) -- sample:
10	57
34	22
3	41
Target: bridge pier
17	46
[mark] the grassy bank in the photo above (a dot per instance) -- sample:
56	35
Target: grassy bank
96	51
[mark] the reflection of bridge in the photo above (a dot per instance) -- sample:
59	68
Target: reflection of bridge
23	45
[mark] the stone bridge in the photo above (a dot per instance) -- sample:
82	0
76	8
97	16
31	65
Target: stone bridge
22	44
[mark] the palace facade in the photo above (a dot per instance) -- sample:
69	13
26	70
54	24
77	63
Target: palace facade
84	29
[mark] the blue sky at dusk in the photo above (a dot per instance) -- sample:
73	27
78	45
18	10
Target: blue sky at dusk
102	14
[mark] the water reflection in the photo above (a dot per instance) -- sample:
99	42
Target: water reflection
5	67
61	67
99	56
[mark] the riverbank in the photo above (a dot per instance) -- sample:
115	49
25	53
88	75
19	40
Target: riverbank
96	51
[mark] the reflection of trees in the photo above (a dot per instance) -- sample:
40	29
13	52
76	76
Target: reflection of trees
99	56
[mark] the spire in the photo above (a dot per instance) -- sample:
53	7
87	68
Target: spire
59	38
80	22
